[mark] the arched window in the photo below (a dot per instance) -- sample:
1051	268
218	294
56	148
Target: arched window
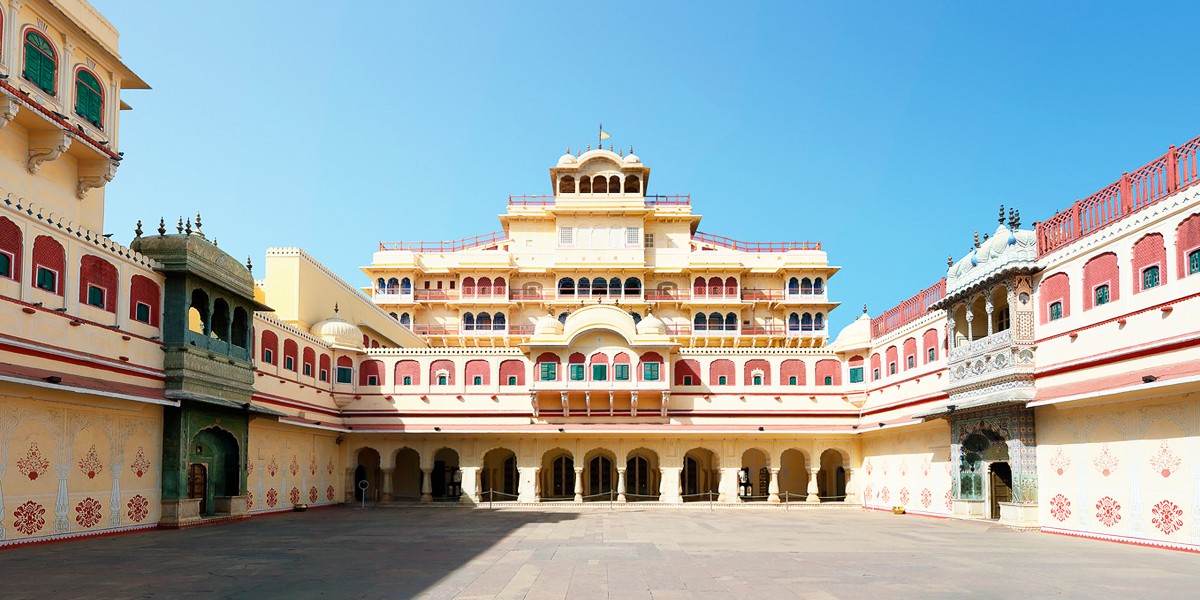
731	322
585	286
600	185
406	286
393	285
614	286
819	322
698	287
633	185
41	61
585	185
701	322
483	322
405	320
731	287
144	305
566	185
806	322
49	264
498	322
598	286
714	322
499	286
793	286
614	184
637	318
89	97
793	320
562	317
10	250
806	286
818	286
633	286
715	287
566	286
468	320
468	286
380	285
98	283
485	286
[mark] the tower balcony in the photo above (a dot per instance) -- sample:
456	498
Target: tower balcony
994	357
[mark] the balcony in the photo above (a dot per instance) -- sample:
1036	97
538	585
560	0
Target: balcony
473	330
740	246
392	295
996	356
773	330
668	295
435	296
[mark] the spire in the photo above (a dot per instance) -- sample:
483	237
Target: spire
950	260
976	239
138	232
162	226
180	226
1017	220
1001	219
864	308
187	228
335	308
198	223
249	267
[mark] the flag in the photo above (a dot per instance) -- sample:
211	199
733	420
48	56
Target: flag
604	136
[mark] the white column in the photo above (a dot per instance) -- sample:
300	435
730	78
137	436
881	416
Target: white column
66	94
989	309
668	487
728	485
813	488
851	496
427	485
621	484
386	492
13	56
527	489
578	484
773	487
349	485
470	485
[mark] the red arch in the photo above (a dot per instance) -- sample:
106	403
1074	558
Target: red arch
48	253
369	368
512	368
875	367
1098	271
930	339
829	368
440	365
144	290
790	368
477	368
910	349
1055	288
687	368
650	357
760	365
719	367
310	359
1150	251
290	349
270	341
1187	240
407	368
11	243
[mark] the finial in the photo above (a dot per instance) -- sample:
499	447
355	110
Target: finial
864	308
335	308
180	226
950	260
631	148
197	222
1001	219
589	147
578	154
249	267
138	232
976	239
162	226
610	148
214	242
1017	220
621	152
985	236
187	228
568	149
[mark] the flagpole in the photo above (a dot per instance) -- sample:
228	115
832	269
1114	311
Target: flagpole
600	137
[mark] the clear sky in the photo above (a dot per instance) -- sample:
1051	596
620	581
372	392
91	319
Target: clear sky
890	131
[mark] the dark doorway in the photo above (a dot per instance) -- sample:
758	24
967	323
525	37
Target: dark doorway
562	481
1000	482
198	485
600	476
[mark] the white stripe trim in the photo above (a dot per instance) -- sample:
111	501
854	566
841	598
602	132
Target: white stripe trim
79	390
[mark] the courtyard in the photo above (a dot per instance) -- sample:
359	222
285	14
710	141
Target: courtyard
593	552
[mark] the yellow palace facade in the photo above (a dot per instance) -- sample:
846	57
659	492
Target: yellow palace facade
598	347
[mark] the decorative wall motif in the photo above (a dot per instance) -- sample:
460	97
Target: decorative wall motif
29	518
1164	461
1108	511
1105	462
329	468
272	467
87	512
250	500
33	464
926	497
1060	462
904	496
272	497
294	468
329	493
1167	517
1060	507
883	494
139	465
312	468
90	464
294	496
313	494
139	508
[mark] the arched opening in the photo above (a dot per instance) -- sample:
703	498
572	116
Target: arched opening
614	286
468	286
393	285
699	290
240	332
406	477
806	322
701	475
468	321
558	475
220	320
830	487
368	471
599	184
483	322
585	185
566	286
600	476
633	286
793	287
755	477
793	322
214	467
498	322
979	319
444	480
633	185
818	286
642	476
806	286
498	476
566	185
585	286
562	317
819	322
198	313
793	476
599	287
700	323
716	287
485	286
405	320
985	474
1001	316
731	322
614	184
406	286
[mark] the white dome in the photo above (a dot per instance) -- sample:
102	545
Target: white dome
651	325
548	325
338	332
566	159
855	336
632	159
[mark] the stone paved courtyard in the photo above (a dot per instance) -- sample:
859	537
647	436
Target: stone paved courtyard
594	553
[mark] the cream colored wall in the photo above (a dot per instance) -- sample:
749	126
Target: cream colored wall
73	464
289	465
908	467
1125	470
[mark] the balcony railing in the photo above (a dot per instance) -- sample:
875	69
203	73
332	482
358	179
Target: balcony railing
521	329
667	295
530	295
693	330
752	295
908	311
732	244
487	239
682	200
436	295
530	200
549	200
1176	170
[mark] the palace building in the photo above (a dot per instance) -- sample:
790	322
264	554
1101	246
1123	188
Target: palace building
598	347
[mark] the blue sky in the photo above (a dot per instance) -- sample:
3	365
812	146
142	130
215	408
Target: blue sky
890	131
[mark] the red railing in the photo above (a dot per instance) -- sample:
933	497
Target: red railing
679	330
432	295
667	295
435	329
526	295
678	200
753	295
451	246
521	329
530	200
762	329
1163	176
908	311
732	244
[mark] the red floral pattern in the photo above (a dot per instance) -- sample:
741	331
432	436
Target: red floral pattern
1108	511
883	494
33	464
329	467
312	467
925	466
313	494
272	467
1165	461
869	467
1060	462
904	496
29	518
90	464
868	494
949	501
1106	463
249	500
139	508
1167	517
329	493
249	467
88	511
272	497
295	466
294	496
1060	508
140	466
926	497
904	468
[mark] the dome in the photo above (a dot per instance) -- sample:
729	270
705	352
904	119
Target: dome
855	336
632	159
338	332
566	159
548	325
651	325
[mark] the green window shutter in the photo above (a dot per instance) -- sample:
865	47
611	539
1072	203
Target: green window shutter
142	313
40	66
621	372
5	265
1150	278
1194	263
1056	311
599	372
47	280
856	375
89	98
95	296
1102	295
576	372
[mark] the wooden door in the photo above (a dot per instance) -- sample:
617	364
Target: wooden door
198	485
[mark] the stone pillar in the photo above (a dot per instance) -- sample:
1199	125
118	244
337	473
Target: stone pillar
987	306
970	317
728	486
773	487
850	483
668	488
386	492
350	489
427	485
813	487
12	24
470	485
621	484
579	484
949	331
527	488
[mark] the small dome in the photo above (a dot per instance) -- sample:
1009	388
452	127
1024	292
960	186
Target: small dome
632	159
548	325
651	325
338	332
566	159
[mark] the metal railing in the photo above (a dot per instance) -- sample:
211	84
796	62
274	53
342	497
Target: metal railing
908	311
732	244
485	239
676	200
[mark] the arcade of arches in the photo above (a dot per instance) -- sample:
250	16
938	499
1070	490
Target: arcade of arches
673	471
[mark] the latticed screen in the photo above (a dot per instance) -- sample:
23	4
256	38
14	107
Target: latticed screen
548	371
1194	263
565	236
89	100
40	66
1056	311
650	372
1102	295
1150	278
632	235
